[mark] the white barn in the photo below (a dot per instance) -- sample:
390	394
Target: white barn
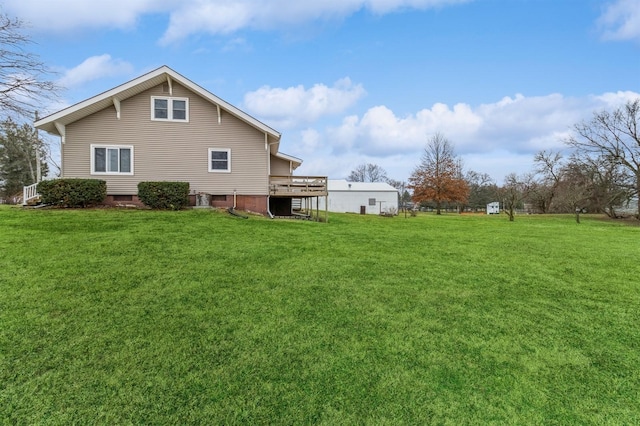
360	197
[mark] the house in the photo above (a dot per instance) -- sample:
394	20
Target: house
162	126
361	197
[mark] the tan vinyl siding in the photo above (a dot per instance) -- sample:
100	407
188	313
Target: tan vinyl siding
280	167
176	151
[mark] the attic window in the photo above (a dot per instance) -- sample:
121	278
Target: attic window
169	109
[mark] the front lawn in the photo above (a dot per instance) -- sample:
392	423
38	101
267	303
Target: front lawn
118	317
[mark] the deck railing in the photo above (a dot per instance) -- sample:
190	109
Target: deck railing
29	193
298	186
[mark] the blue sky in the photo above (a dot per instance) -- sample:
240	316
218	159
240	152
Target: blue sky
354	81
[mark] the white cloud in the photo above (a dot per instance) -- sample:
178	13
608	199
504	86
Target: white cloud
621	20
380	132
66	15
310	141
295	105
200	16
519	124
495	138
94	68
223	17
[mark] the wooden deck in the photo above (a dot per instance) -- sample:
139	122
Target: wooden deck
298	186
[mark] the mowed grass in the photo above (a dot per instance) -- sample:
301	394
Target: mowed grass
131	317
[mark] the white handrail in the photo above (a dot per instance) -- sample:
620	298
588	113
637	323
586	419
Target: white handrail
29	193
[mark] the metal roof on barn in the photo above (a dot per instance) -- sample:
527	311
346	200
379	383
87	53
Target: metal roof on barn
343	185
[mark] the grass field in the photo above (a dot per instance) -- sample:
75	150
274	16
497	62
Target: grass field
119	317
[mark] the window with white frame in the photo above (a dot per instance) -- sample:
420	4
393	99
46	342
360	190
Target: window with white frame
219	160
169	109
111	160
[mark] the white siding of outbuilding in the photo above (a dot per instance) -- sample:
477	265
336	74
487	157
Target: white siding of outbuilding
493	208
348	197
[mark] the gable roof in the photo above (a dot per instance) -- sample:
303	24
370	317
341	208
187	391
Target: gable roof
343	185
295	160
54	123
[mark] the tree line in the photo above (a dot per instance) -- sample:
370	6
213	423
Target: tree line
599	172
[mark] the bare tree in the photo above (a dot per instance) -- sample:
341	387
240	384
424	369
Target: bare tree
438	177
482	189
575	190
368	172
607	185
23	77
513	193
612	137
548	168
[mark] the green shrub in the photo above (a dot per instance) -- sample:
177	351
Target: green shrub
164	195
72	192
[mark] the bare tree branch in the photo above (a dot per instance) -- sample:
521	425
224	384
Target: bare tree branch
23	76
612	138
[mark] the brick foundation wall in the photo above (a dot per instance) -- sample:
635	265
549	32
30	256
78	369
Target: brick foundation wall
250	203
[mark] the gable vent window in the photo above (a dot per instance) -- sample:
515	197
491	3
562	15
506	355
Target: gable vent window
169	109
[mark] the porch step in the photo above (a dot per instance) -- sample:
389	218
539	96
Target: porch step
30	193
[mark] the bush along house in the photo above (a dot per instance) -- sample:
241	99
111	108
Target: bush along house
163	127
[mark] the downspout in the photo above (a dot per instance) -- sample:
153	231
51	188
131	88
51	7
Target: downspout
271	216
234	199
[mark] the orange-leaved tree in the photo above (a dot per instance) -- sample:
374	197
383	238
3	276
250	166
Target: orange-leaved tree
438	177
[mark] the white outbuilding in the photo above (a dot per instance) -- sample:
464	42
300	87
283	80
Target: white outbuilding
493	208
361	197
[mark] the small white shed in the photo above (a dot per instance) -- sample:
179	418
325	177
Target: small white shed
360	197
493	208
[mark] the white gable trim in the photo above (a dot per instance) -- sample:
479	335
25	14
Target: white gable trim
62	130
136	86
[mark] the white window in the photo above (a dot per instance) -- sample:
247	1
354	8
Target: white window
169	109
111	160
372	201
219	160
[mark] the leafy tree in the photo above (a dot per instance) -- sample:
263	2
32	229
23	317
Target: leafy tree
20	149
612	138
368	172
438	177
23	82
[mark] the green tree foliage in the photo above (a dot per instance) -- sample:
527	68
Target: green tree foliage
20	149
